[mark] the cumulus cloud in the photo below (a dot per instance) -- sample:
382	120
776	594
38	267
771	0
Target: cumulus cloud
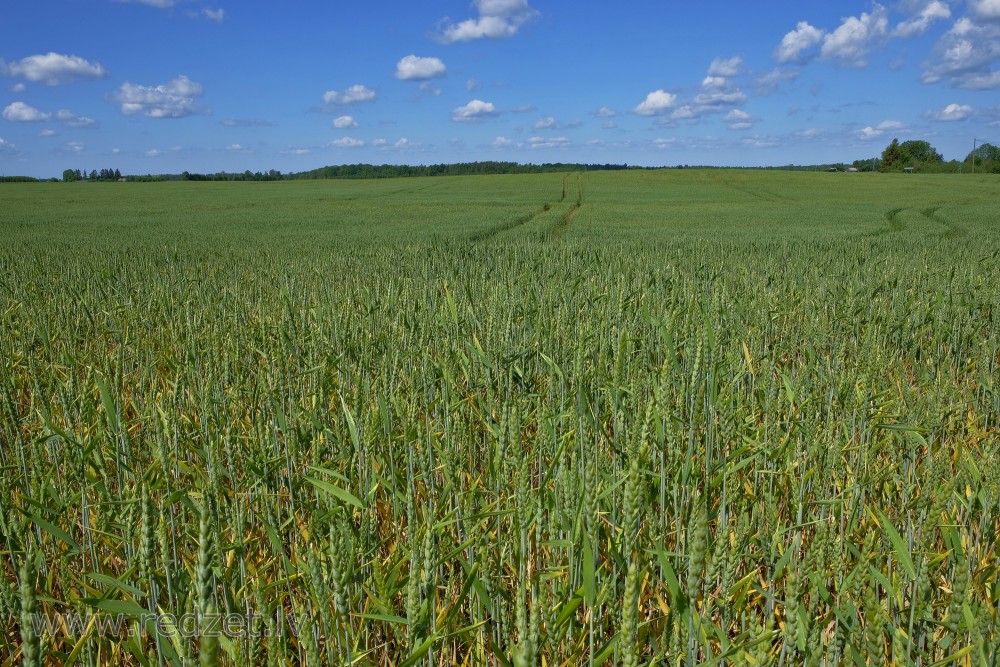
217	15
852	42
725	67
347	142
605	112
880	129
345	123
413	68
7	148
965	55
928	14
353	95
19	112
47	133
739	120
952	112
474	111
498	19
53	69
73	147
609	125
797	45
175	99
502	142
717	100
656	103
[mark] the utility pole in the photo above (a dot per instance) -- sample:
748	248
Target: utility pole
974	155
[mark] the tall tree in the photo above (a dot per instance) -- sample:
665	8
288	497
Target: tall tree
893	157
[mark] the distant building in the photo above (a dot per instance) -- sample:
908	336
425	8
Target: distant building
852	170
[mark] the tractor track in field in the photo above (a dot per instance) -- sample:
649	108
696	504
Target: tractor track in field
487	234
892	217
561	225
895	223
951	229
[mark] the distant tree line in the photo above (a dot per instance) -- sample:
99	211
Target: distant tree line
460	169
895	158
272	175
74	175
18	179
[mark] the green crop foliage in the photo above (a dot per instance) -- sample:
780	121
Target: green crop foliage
672	417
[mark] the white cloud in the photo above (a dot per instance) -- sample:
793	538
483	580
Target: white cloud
237	148
725	68
502	142
952	112
7	148
657	102
345	123
17	87
403	144
548	123
918	25
474	111
379	143
19	112
153	152
769	83
880	129
72	120
796	44
964	57
609	125
217	15
175	99
348	142
851	43
548	142
605	112
716	100
353	95
74	147
498	19
412	68
986	9
53	69
739	120
47	133
471	85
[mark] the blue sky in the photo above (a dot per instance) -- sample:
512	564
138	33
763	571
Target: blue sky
161	86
